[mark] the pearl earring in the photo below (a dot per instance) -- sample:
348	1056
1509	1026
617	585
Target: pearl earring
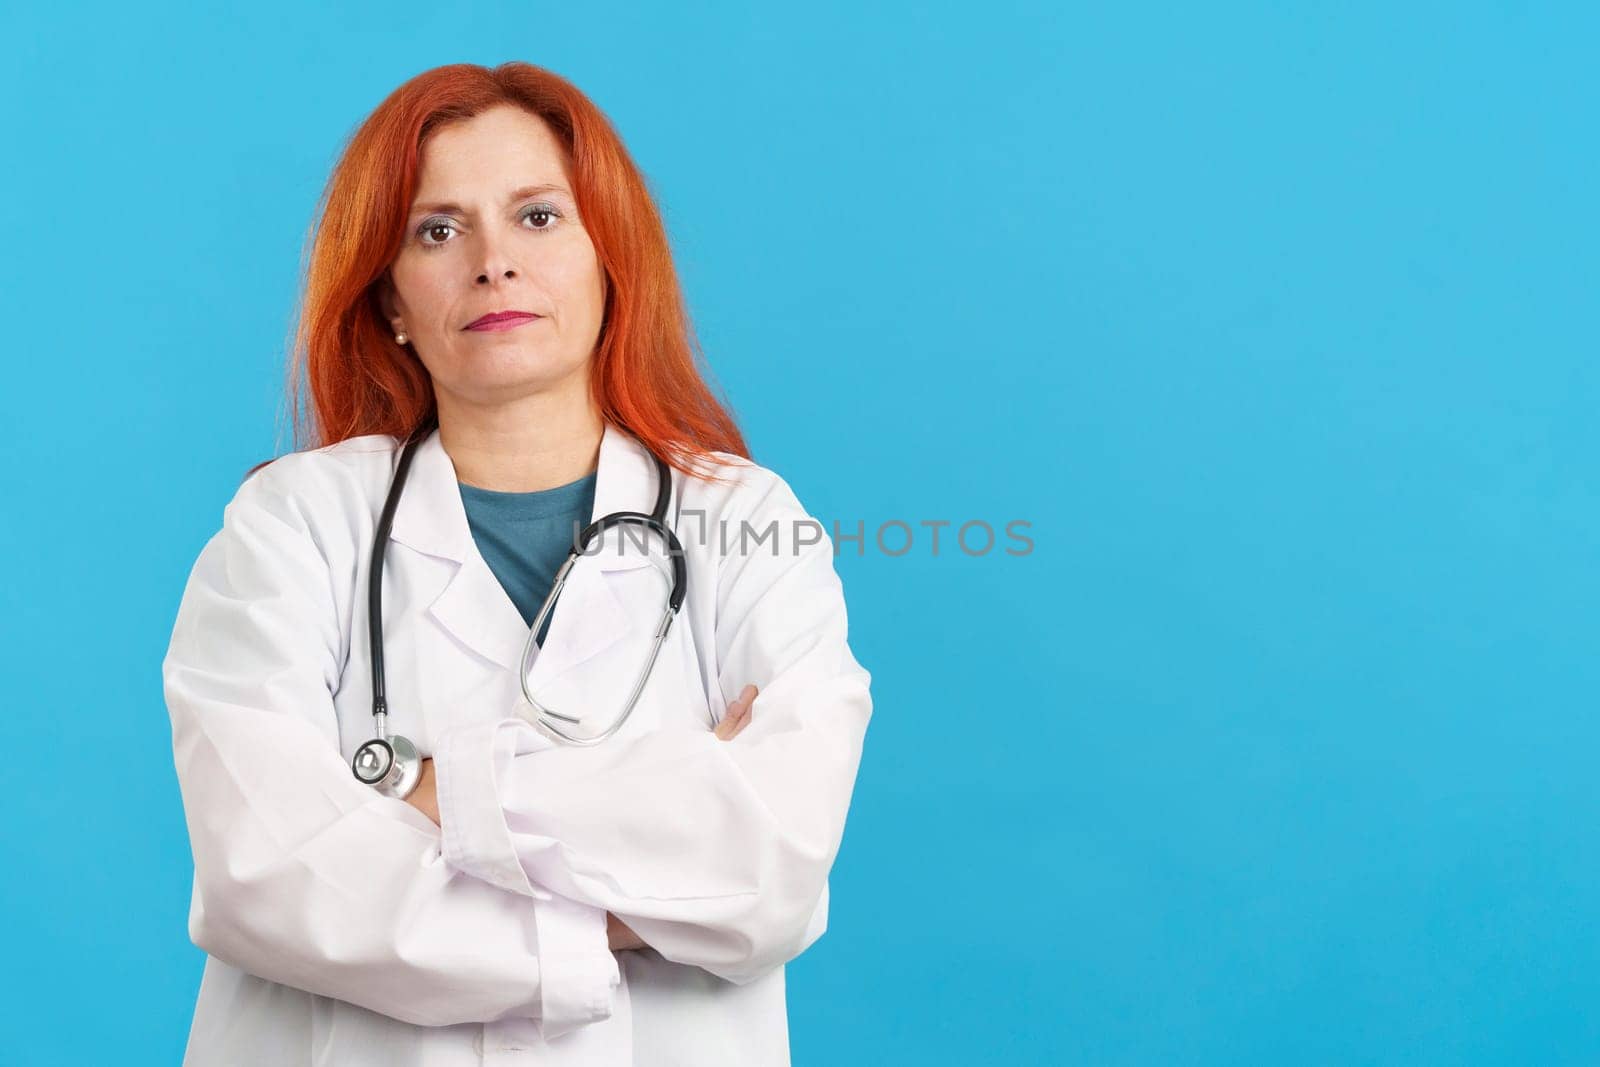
400	338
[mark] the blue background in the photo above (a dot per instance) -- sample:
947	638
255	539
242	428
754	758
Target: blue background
1276	322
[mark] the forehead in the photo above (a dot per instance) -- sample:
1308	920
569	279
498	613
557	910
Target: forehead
499	149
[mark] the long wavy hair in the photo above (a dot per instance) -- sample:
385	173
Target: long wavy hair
647	374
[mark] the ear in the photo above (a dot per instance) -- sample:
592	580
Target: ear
387	302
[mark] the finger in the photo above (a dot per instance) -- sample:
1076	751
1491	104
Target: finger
731	719
732	722
737	715
747	704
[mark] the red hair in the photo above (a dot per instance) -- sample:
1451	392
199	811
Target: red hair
646	375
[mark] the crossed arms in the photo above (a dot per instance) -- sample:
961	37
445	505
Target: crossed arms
305	877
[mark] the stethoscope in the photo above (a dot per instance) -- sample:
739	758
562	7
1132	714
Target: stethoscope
391	763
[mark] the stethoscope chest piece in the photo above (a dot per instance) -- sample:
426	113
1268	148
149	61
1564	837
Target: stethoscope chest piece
390	765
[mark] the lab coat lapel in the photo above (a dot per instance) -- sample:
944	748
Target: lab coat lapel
430	518
474	608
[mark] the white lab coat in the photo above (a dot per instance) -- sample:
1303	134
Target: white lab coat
343	927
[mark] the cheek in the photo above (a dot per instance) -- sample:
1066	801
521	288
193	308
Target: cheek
435	299
576	276
424	296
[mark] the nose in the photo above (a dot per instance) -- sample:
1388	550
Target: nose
505	272
496	263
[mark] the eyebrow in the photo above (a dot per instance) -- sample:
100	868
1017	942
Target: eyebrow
526	191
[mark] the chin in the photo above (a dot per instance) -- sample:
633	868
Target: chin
501	388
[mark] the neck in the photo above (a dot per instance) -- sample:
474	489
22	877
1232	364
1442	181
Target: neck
534	443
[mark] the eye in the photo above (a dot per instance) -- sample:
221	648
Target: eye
543	211
432	226
546	210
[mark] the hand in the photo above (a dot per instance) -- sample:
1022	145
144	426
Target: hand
425	797
618	934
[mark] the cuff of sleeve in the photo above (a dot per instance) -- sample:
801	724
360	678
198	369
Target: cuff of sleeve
578	972
474	837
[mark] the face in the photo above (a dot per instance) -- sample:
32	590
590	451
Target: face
494	227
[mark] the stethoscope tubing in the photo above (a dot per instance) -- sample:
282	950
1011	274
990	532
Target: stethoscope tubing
391	763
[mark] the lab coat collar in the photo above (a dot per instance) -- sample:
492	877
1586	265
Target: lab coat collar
590	615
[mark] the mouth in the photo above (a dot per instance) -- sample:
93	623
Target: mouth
502	320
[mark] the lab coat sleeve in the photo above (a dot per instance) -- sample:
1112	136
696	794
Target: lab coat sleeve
303	875
716	853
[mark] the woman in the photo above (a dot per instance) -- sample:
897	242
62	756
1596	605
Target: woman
490	287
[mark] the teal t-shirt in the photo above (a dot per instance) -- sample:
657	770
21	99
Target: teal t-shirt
525	537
